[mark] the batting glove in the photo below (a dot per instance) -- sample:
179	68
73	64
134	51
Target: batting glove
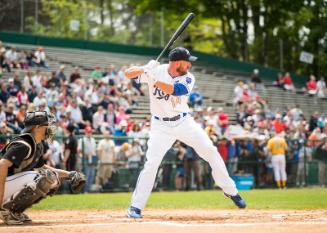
151	65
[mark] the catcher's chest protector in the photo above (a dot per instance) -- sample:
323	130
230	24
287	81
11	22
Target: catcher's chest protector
29	162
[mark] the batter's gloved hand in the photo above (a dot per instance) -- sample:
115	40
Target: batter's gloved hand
151	65
77	181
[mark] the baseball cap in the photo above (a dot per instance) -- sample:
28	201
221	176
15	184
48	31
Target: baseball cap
180	53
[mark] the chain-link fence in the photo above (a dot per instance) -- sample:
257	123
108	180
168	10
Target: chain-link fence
251	167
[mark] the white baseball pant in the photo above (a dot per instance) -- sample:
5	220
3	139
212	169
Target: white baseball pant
279	166
17	182
162	137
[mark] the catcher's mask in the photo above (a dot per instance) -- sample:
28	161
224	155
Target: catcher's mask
40	118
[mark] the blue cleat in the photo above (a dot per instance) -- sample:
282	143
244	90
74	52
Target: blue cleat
238	200
134	212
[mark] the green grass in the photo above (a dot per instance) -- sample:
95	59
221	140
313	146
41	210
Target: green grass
257	199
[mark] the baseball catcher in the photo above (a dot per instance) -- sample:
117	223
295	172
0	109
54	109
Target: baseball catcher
24	178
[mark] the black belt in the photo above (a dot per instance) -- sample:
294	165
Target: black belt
174	118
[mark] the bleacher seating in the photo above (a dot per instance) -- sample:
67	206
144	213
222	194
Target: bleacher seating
216	85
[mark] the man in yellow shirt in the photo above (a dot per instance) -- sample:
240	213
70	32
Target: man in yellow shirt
277	148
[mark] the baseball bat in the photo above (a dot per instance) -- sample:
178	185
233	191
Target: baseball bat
177	33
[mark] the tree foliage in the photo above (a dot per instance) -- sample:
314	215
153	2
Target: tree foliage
256	31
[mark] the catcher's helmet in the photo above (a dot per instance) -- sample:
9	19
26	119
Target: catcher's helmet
36	118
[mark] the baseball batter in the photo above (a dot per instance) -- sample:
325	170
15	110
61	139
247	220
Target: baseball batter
169	87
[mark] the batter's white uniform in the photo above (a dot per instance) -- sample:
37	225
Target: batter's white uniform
164	133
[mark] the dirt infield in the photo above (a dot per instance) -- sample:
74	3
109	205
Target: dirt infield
183	221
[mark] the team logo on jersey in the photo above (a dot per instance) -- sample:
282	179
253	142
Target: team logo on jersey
160	94
188	80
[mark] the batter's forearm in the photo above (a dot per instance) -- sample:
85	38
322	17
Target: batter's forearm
134	72
165	87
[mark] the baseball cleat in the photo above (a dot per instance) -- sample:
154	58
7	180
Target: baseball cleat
23	217
10	219
134	212
238	200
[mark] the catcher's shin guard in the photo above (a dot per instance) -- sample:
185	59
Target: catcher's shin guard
46	183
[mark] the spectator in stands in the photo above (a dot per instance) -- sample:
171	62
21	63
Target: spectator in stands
20	115
76	114
2	113
312	86
87	148
32	94
288	83
70	149
52	94
121	115
313	123
278	124
256	79
106	159
12	57
37	79
4	94
30	58
134	157
3	60
98	120
61	74
22	96
111	117
121	154
75	75
279	81
221	144
12	88
321	156
96	73
196	99
40	58
191	164
232	157
180	171
238	92
54	80
11	118
22	60
222	120
314	138
321	87
5	134
56	154
17	81
39	99
305	153
121	132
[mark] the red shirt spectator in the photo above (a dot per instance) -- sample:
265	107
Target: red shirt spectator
222	149
279	126
311	84
222	120
287	80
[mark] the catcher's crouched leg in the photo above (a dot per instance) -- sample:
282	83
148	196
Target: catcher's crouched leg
45	183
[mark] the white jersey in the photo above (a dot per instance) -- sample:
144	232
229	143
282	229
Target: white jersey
162	104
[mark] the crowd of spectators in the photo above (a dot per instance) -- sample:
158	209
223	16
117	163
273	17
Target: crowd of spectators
93	108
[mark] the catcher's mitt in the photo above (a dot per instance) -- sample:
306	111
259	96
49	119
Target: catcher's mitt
77	181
